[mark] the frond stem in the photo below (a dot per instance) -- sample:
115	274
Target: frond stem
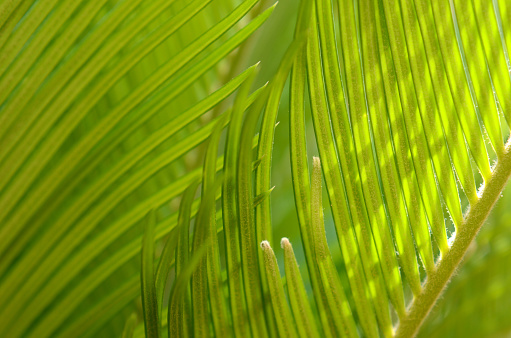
446	267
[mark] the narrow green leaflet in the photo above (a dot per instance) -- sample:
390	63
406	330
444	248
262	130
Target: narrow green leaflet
231	214
149	298
247	225
283	317
177	293
200	292
217	300
179	309
302	312
338	305
163	270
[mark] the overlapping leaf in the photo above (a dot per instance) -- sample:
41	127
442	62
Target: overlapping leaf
103	113
62	224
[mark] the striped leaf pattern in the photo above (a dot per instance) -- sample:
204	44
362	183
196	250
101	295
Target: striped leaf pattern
136	163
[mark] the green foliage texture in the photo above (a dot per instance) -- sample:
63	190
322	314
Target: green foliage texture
198	168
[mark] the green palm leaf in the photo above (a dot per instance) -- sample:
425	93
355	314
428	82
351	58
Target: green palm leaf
402	108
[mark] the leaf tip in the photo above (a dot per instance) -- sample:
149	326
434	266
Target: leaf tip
284	242
265	245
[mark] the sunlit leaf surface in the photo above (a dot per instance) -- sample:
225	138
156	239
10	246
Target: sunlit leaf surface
154	153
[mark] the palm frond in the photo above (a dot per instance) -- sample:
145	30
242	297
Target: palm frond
60	203
149	295
402	108
392	145
478	296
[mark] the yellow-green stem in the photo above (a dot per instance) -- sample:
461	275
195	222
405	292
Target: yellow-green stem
473	220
